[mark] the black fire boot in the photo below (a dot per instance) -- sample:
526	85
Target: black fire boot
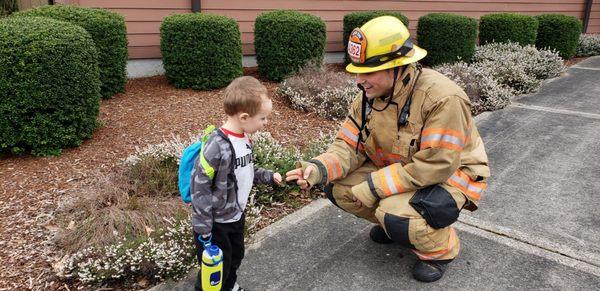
379	236
430	271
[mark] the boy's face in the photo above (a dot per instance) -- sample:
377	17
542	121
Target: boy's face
252	124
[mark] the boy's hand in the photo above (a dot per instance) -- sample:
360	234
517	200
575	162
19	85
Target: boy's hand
277	178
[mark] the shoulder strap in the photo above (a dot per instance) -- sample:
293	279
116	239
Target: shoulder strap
405	112
210	171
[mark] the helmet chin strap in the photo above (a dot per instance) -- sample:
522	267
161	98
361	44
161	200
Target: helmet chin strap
390	97
366	104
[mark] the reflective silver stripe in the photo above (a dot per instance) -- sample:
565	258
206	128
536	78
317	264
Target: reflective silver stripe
388	178
475	189
447	138
460	181
466	184
351	136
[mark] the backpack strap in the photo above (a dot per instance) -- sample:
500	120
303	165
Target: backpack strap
210	171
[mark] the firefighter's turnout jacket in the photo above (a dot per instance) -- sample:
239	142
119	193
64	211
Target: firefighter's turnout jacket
412	178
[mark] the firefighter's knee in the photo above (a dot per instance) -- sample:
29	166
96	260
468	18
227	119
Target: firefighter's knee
397	228
340	195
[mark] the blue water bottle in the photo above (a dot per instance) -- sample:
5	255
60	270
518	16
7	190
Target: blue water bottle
212	266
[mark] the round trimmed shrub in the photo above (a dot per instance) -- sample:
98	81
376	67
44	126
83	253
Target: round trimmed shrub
446	37
508	27
559	32
358	19
286	41
109	34
201	51
49	85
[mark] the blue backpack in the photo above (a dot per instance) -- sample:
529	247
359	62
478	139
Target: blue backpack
188	160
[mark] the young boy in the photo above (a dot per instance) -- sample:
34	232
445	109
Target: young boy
220	189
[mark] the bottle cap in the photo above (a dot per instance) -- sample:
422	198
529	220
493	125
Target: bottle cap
213	250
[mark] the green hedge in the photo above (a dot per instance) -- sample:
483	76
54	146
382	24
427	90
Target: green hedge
109	34
508	27
446	37
357	19
201	51
286	41
49	85
559	32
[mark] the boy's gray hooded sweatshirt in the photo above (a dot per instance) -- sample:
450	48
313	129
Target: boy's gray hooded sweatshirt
216	200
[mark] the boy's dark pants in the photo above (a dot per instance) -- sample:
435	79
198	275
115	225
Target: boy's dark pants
229	237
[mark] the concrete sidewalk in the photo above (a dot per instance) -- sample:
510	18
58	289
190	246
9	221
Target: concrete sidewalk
536	228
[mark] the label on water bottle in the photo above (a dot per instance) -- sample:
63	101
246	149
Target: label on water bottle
215	278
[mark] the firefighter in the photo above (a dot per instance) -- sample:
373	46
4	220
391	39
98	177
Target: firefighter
408	157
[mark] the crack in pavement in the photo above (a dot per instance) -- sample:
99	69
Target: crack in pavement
559	111
578	259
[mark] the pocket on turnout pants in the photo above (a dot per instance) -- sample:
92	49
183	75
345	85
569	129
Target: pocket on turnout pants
436	205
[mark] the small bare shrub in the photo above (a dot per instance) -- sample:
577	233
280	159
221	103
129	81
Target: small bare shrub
324	92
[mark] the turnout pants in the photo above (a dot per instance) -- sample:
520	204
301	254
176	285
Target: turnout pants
420	220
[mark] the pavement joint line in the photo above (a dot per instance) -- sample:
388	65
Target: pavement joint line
585	68
519	241
544	248
290	219
559	111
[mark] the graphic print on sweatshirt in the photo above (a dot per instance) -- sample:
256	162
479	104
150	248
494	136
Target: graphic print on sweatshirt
244	167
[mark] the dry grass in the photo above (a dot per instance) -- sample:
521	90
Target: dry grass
111	210
154	177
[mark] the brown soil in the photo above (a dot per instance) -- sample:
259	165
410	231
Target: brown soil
574	61
150	111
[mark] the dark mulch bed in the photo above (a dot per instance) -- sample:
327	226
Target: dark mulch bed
149	112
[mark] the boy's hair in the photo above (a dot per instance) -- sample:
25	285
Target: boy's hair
244	94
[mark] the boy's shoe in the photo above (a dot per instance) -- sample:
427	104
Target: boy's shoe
237	287
430	271
379	236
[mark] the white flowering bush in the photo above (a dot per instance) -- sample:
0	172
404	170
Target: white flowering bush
319	145
499	71
270	154
168	254
324	92
168	149
589	45
157	227
484	91
520	68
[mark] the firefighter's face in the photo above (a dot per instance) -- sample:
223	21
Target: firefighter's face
376	84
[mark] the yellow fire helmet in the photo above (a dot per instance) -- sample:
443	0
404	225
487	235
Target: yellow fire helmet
382	43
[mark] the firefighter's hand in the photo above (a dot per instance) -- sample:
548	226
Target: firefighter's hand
362	195
300	176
